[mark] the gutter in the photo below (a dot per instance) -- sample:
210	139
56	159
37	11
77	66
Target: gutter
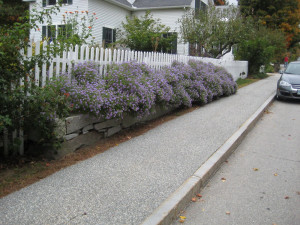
133	8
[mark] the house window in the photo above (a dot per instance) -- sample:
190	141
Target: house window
64	30
108	36
200	6
172	49
51	32
53	2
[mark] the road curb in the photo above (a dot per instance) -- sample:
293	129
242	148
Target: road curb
168	211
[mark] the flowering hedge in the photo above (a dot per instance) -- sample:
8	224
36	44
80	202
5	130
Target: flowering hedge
136	88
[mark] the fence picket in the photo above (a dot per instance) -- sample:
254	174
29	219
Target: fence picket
69	60
64	60
101	61
81	59
92	54
44	66
105	61
87	53
37	68
109	56
97	55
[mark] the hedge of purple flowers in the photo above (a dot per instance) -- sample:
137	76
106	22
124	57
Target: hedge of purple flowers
135	88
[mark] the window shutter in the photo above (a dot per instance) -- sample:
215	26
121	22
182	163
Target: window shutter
174	44
51	2
44	3
103	33
114	35
44	32
197	4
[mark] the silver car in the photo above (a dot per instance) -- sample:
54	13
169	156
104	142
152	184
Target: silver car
288	86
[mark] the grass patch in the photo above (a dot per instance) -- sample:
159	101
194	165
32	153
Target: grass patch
251	79
244	82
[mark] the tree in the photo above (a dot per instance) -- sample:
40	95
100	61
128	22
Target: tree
145	34
213	30
262	47
276	14
19	100
12	10
220	2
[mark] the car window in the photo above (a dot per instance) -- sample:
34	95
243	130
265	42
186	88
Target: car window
293	68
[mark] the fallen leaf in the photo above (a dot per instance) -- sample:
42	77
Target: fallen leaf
223	179
286	197
255	169
298	192
227	213
203	210
182	217
226	161
47	164
275	174
194	199
181	221
198	195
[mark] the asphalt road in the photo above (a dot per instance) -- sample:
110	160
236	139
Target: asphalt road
260	182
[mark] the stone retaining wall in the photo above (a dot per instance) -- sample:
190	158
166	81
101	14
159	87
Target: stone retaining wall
82	130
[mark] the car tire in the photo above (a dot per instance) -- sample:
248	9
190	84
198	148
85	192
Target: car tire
278	97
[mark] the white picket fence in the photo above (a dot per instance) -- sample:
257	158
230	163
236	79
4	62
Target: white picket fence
63	64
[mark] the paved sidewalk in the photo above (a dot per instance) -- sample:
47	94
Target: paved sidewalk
125	184
262	183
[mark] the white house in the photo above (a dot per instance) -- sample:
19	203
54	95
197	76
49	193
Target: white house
111	13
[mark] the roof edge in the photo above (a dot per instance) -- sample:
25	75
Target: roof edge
163	7
133	8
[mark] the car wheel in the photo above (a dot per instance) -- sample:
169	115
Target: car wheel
278	97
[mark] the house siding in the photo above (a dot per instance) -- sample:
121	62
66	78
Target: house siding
109	15
169	17
79	5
